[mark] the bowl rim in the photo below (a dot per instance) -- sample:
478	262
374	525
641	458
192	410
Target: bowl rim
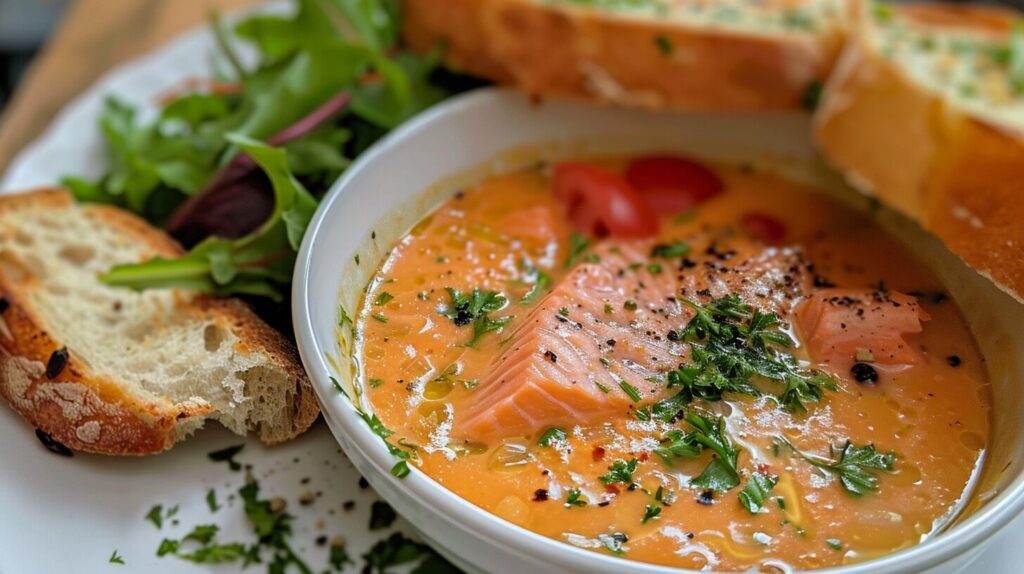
477	522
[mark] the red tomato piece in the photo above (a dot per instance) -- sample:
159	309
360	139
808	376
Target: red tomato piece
602	203
764	227
672	183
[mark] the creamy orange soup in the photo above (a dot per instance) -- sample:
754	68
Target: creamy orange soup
579	397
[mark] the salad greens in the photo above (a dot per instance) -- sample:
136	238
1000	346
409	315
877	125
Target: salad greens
328	81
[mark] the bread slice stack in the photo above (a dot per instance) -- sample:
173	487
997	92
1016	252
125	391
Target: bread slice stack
661	54
925	110
113	371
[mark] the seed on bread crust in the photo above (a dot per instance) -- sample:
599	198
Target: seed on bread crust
52	444
58	360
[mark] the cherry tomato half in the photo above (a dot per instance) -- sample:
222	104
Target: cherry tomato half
602	203
763	227
672	183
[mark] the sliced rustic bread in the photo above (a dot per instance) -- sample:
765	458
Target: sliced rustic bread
722	55
925	111
114	371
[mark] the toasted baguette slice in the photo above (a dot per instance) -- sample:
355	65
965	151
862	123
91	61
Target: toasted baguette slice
661	54
922	112
142	370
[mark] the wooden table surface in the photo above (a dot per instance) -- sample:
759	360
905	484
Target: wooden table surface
93	37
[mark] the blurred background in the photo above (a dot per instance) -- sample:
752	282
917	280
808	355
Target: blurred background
52	49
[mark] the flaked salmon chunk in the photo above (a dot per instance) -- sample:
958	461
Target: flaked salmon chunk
841	327
598	344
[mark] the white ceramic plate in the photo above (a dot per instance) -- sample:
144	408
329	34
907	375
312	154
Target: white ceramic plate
69	514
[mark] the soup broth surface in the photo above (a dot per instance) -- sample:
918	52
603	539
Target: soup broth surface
502	410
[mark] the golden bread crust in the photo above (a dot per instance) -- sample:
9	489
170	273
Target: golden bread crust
93	413
958	176
596	55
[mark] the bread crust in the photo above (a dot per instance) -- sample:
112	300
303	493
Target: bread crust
597	55
957	175
92	413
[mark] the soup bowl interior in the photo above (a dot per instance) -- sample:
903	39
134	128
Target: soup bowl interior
488	132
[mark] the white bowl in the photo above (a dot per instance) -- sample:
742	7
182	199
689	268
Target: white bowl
490	131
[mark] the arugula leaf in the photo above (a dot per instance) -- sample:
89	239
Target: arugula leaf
328	81
475	308
620	472
755	493
854	465
258	264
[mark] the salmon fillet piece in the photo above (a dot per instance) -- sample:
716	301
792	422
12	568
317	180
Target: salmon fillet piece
835	323
596	346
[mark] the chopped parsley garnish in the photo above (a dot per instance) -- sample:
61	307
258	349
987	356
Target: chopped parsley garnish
381	515
228	455
338	387
539	281
730	345
551	436
620	472
578	243
575	498
708	433
755	493
400	470
614	543
834	543
115	558
608	309
383	298
564	311
211	500
630	305
654	268
208	551
670	250
721	473
338	557
397	550
475	309
630	390
156	516
379	317
592	258
856	466
374	383
652	511
604	388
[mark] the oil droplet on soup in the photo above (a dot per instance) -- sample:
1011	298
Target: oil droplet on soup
716	396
